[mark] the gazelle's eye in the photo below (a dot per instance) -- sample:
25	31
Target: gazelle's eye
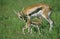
21	17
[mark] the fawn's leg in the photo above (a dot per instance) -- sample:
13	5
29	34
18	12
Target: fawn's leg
38	29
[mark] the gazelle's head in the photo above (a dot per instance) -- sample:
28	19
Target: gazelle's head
19	14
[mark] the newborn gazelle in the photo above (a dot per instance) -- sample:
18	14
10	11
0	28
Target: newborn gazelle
37	10
36	23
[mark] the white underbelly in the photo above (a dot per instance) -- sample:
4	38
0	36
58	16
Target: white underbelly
37	14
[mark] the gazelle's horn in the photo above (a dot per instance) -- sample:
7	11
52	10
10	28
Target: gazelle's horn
16	12
22	9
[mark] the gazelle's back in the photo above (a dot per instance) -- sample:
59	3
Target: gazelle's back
32	8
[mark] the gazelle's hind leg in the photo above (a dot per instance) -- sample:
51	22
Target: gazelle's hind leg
51	23
49	20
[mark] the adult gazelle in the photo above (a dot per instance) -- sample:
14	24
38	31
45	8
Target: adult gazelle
36	10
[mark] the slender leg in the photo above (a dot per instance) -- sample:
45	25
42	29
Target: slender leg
27	24
28	29
25	27
50	22
31	31
23	30
38	29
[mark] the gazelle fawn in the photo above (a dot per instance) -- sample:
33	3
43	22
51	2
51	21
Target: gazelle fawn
36	10
35	23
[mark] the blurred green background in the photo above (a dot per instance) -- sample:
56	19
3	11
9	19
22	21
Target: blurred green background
11	25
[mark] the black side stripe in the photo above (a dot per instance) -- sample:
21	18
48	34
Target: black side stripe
25	17
38	9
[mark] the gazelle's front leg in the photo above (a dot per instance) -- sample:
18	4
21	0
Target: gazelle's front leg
27	25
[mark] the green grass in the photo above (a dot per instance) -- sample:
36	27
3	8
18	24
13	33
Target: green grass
11	25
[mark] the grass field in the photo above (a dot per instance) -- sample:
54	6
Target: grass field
11	25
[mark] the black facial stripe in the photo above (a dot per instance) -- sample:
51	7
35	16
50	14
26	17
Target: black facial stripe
25	18
38	9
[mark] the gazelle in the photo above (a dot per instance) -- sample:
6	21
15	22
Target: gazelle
37	10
